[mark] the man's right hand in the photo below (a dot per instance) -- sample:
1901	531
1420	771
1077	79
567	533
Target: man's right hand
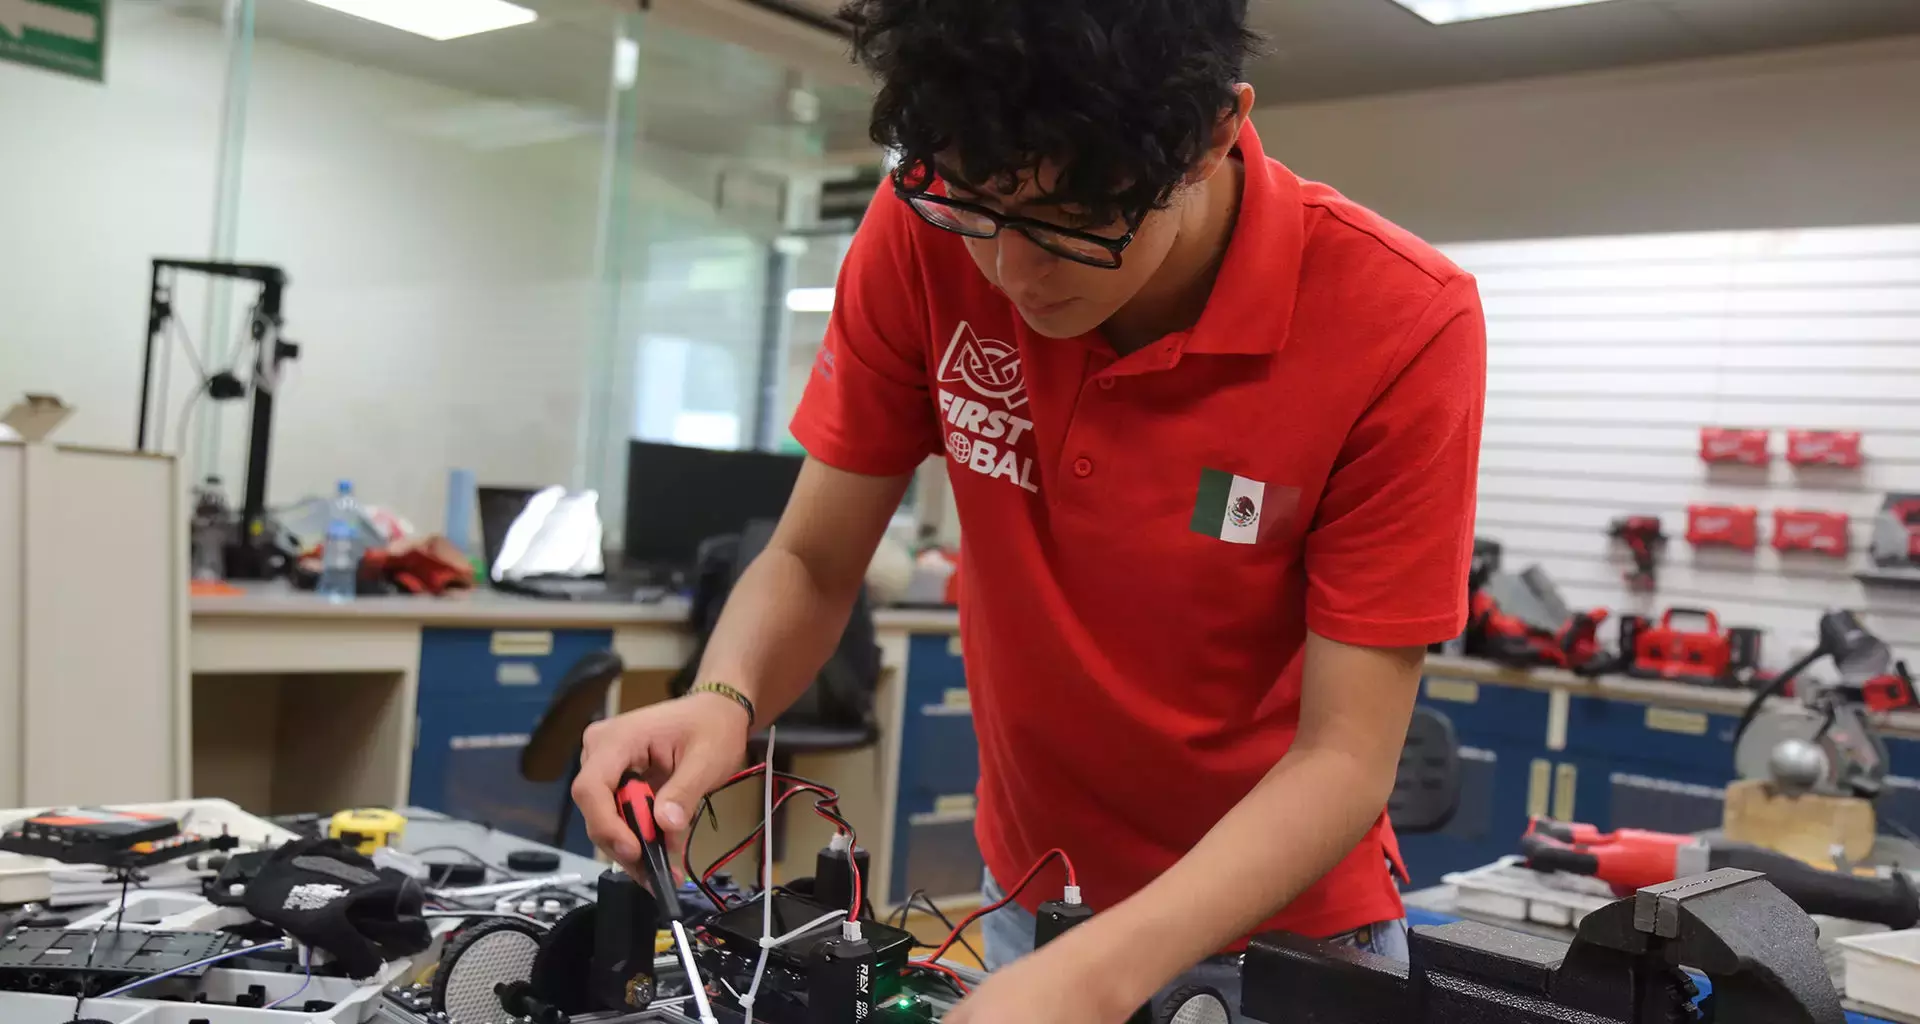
686	748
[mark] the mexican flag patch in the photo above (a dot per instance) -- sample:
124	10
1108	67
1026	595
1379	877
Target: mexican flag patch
1229	507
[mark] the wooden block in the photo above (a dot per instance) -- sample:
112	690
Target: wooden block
1805	827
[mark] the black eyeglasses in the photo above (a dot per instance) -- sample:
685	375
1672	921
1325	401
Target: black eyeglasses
975	221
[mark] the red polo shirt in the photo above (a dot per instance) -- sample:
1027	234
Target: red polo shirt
1149	538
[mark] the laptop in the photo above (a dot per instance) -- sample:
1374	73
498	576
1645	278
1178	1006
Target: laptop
500	507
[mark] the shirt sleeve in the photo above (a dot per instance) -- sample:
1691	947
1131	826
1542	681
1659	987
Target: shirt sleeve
1388	553
867	408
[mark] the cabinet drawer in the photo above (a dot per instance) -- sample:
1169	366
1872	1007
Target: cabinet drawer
1485	715
520	662
939	753
1692	746
1664	805
936	851
466	763
934	665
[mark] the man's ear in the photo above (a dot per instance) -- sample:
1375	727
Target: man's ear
1226	135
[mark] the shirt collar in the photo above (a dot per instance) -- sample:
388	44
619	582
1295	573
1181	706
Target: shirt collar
1251	308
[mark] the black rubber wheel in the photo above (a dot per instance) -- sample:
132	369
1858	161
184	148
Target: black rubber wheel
563	971
1195	1005
533	862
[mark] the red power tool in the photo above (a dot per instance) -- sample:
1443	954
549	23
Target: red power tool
1643	537
1521	620
1631	859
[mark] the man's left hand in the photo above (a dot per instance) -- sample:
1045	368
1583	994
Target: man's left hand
1055	985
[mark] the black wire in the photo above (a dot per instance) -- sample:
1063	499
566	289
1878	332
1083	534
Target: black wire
1773	687
826	805
926	901
469	854
119	923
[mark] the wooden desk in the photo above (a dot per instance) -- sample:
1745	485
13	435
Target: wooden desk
281	682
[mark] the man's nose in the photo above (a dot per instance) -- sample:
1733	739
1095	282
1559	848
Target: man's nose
1019	260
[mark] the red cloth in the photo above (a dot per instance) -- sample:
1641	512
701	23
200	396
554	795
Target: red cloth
1132	677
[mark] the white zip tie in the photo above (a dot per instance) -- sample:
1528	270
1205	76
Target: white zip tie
766	884
693	975
813	925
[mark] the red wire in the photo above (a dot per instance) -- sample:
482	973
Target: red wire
943	969
827	807
1011	895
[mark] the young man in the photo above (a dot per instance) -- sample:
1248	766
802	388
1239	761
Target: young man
1212	432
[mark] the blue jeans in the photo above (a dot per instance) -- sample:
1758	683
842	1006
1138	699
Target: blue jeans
1009	935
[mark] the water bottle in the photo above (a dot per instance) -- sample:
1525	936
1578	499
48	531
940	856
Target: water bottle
340	556
212	531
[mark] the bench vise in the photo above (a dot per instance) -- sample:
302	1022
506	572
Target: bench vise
1758	951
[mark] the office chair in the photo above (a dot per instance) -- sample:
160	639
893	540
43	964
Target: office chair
553	752
836	714
1426	790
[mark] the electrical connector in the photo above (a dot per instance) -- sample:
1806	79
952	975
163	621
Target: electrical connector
1055	918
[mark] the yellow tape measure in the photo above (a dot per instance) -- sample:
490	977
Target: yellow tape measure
367	829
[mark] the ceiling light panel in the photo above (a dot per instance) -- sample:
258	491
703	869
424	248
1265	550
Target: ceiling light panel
436	19
1446	12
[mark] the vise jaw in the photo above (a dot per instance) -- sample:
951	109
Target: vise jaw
1758	950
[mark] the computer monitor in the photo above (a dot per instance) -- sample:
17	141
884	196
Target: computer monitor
678	497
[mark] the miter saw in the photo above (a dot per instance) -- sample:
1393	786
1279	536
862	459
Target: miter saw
1824	743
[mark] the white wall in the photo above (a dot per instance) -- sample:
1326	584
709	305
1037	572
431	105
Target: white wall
442	292
1816	137
1608	354
94	181
1606	357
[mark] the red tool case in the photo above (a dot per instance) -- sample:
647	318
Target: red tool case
1824	448
1732	526
1821	532
1726	444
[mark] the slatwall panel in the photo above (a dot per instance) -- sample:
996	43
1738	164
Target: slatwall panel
1606	357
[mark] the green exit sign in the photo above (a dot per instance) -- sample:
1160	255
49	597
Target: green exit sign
60	35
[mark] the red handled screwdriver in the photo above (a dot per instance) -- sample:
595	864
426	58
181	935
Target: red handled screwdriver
635	798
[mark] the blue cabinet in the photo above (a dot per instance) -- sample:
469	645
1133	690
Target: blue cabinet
482	692
933	847
1623	764
1688	746
1502	734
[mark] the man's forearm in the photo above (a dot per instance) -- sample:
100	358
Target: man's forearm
1290	830
780	625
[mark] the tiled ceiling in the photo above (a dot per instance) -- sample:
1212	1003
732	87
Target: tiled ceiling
735	99
1326	49
699	96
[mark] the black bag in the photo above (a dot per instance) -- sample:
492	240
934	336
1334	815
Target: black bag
843	693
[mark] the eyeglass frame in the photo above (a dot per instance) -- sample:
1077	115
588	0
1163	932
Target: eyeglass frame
1001	222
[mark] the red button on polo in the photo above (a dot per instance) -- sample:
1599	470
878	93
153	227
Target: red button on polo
1083	466
1106	383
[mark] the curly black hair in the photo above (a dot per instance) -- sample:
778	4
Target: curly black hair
1121	95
